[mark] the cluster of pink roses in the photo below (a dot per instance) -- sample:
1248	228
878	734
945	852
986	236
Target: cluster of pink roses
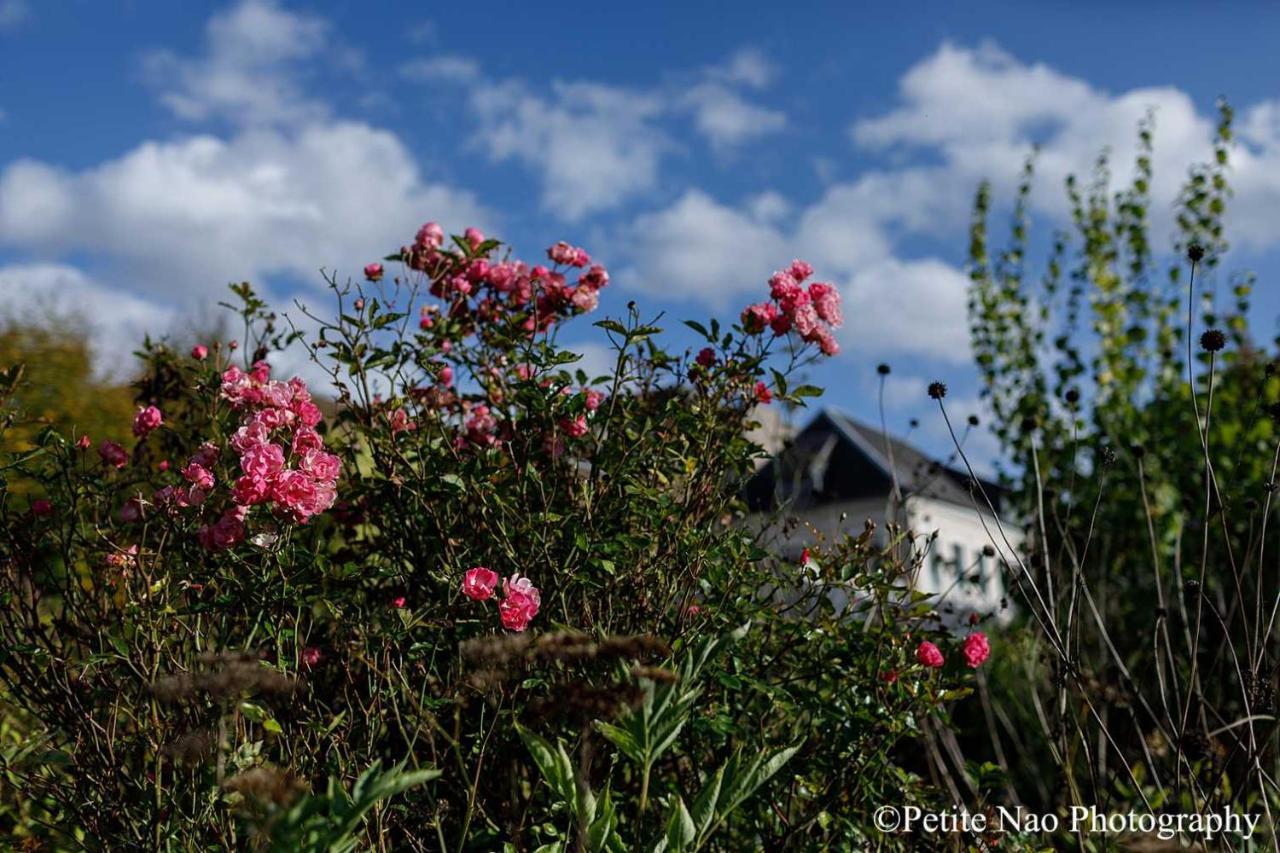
520	598
975	650
813	312
282	459
479	288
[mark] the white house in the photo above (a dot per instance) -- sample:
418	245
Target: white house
837	473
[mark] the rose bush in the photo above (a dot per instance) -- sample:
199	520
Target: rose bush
504	602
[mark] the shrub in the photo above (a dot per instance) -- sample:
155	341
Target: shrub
476	562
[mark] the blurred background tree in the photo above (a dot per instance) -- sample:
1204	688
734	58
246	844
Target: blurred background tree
58	386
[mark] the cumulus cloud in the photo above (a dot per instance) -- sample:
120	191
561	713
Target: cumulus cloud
727	119
116	321
596	146
189	215
593	146
699	249
251	70
964	114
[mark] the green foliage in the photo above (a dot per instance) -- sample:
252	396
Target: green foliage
1143	462
328	822
167	688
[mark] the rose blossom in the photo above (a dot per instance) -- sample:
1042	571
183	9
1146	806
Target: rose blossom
763	395
321	465
373	272
113	454
574	427
927	654
197	475
199	352
146	420
519	604
976	649
248	491
262	461
479	583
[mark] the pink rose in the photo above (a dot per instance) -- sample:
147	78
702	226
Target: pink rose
306	439
83	442
976	649
398	602
311	657
197	475
593	399
206	455
474	237
322	466
927	654
756	318
373	272
763	395
226	532
800	270
297	494
113	454
429	236
706	357
251	434
519	604
574	427
248	491
199	352
146	420
479	583
308	412
826	301
262	461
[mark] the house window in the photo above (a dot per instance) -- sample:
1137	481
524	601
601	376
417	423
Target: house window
937	568
957	553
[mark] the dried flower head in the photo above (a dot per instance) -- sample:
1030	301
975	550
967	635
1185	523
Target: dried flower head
1195	253
1213	340
937	390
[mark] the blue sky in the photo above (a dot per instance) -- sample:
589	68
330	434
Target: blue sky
150	151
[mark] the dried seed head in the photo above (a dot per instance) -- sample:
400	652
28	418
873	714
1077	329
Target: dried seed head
1195	253
266	786
1213	340
655	673
882	369
937	390
191	748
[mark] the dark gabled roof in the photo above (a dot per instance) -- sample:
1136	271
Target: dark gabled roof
838	458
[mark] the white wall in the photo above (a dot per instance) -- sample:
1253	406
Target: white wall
952	558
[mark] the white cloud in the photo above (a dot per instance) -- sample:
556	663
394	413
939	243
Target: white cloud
728	120
593	146
915	307
250	73
451	69
187	216
698	249
13	13
747	67
116	321
964	115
